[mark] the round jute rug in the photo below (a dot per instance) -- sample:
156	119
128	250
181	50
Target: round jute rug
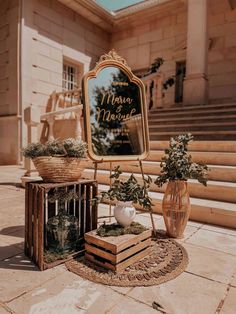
167	260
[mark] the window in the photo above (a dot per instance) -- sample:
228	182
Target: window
179	80
70	76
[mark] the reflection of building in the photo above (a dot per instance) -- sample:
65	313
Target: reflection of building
48	45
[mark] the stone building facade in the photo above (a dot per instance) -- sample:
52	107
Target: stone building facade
47	45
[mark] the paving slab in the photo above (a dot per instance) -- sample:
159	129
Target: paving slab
185	294
129	306
214	240
18	276
233	280
229	306
189	230
68	293
210	264
219	229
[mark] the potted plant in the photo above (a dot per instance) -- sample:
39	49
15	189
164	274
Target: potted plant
126	193
57	160
176	168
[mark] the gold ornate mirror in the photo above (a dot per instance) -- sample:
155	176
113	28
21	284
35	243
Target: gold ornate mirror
115	112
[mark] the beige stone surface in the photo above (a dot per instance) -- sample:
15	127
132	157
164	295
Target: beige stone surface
223	230
214	240
209	263
185	294
24	289
229	306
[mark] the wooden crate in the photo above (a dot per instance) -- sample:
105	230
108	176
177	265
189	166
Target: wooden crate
117	253
38	210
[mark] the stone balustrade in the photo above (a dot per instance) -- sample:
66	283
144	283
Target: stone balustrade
154	89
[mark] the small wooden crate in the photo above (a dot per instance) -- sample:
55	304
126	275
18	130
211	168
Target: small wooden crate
117	253
38	210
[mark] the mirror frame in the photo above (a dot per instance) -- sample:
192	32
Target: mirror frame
113	59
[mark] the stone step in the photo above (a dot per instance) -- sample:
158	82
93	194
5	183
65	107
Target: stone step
200	119
202	146
227	135
181	108
188	113
209	158
216	173
205	126
206	211
220	191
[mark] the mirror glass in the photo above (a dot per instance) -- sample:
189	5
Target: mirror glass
115	114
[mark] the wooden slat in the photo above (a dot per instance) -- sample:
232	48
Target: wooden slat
82	207
94	206
41	209
137	257
100	252
30	235
88	208
116	244
35	225
121	265
117	258
26	244
134	249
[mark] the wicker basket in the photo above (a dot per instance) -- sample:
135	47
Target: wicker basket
58	169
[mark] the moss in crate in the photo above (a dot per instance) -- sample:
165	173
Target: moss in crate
52	256
117	230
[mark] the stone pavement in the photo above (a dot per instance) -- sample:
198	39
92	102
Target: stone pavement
207	286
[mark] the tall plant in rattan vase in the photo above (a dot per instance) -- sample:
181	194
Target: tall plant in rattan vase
176	168
57	160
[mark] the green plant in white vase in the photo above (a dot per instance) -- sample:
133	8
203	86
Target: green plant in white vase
126	193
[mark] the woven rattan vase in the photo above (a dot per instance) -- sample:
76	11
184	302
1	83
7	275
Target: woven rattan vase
58	169
176	208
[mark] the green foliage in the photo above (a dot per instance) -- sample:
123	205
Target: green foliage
177	164
62	195
117	230
129	190
68	148
156	65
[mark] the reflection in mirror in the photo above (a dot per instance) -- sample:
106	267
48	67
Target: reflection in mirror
115	114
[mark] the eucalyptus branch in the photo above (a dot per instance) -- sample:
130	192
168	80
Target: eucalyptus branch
177	164
129	190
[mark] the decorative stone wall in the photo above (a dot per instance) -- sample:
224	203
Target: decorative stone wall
9	105
222	52
162	36
50	32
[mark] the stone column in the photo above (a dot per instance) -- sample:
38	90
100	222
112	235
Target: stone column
196	81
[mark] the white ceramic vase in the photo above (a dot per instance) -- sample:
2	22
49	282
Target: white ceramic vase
124	213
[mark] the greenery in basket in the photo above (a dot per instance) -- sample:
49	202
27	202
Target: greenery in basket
129	190
64	148
177	164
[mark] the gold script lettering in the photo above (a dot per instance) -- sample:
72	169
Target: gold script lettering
111	98
106	115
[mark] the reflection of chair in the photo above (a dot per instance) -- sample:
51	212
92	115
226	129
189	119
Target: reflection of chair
62	120
134	125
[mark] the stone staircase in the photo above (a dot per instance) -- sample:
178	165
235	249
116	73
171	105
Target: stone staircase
206	122
216	203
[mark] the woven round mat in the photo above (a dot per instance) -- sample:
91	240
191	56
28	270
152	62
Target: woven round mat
167	260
